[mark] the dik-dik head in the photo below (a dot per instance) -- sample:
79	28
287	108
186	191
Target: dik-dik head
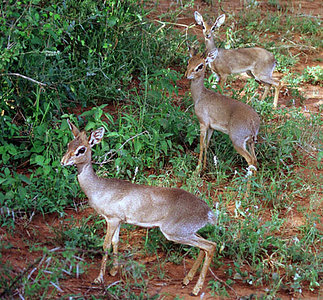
79	149
197	63
208	28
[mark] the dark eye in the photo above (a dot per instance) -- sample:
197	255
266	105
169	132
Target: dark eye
200	67
80	151
203	27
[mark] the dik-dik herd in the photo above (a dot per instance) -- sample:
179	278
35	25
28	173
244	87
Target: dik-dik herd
178	214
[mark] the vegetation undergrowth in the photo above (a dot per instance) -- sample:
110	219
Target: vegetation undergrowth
107	64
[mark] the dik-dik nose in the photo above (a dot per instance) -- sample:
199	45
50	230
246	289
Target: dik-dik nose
189	76
208	36
65	161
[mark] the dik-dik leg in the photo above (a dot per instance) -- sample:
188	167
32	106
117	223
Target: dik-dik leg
193	270
277	89
268	81
208	248
209	133
203	130
112	227
222	81
240	146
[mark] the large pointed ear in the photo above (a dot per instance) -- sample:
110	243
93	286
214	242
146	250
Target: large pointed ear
198	18
73	128
211	56
96	136
219	21
192	51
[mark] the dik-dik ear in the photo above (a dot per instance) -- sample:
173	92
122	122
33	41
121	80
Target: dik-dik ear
198	18
96	136
73	128
219	21
211	56
192	51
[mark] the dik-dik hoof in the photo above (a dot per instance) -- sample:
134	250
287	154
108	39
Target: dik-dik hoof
251	170
196	290
186	281
99	279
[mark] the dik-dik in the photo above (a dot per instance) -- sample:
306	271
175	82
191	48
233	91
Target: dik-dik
256	62
219	112
178	214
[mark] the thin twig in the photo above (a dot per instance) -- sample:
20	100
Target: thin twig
294	45
18	278
114	152
253	96
113	283
309	153
25	77
56	286
176	24
218	279
10	45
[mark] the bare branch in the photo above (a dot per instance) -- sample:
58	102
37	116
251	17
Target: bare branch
223	282
112	153
25	77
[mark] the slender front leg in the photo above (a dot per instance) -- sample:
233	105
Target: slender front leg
264	95
111	228
223	79
208	138
202	146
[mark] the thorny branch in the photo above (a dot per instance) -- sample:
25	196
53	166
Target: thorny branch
113	152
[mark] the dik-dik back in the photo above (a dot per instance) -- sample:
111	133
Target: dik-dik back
256	62
178	213
218	112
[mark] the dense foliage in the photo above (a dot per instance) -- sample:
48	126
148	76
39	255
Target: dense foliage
105	63
59	57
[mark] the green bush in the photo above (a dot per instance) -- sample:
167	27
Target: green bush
59	56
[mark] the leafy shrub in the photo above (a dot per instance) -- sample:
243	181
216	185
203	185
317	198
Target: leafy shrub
313	75
59	55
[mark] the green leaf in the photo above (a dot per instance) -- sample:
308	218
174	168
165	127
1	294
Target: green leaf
137	145
39	159
112	21
164	146
24	178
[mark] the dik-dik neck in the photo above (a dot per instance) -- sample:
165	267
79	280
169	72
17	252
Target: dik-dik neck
197	87
209	44
87	178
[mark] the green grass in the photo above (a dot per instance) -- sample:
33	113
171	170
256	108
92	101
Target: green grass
89	57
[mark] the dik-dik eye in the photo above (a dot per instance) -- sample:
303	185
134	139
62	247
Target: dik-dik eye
199	67
80	150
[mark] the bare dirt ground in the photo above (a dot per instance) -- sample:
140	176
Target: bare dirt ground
38	229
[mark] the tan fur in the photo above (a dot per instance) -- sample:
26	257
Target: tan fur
218	112
256	62
178	214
